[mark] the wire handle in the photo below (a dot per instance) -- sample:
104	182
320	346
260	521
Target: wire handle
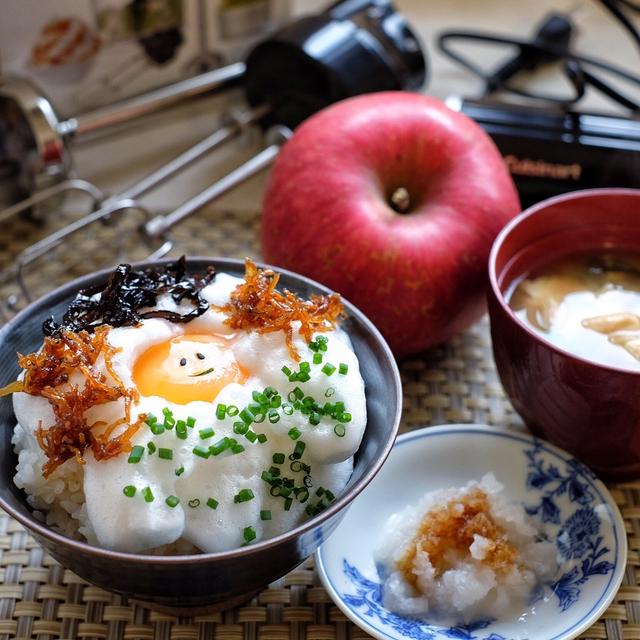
153	232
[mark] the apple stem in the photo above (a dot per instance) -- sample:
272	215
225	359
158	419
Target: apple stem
401	200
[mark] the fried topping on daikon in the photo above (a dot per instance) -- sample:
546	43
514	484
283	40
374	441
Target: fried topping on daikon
448	531
256	304
48	373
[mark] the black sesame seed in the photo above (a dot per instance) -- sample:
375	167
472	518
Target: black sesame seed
183	362
200	356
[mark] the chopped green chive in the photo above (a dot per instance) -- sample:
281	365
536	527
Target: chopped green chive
298	450
136	454
294	433
220	446
248	534
173	501
151	448
169	421
302	494
236	448
181	430
343	368
221	411
265	515
240	428
156	428
262	438
339	430
274	416
258	397
207	433
191	422
244	495
251	436
275	402
287	372
344	417
287	409
165	454
278	458
180	470
148	494
246	416
202	452
328	369
314	418
194	503
298	394
329	392
317	358
287	504
212	503
129	491
150	419
232	410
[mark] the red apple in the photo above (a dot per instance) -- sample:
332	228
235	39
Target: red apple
393	200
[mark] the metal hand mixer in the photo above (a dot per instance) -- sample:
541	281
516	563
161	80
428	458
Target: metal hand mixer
353	47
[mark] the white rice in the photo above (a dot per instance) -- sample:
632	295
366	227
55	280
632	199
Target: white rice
467	588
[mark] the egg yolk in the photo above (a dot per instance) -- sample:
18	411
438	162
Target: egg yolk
187	368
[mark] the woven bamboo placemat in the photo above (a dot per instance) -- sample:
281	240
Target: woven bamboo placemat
456	382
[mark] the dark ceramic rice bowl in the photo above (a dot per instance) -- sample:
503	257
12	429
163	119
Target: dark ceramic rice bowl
197	580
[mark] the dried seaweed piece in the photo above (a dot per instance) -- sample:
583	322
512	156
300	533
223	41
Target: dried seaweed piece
256	304
118	303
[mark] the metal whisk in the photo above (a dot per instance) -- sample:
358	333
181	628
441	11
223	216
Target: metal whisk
354	47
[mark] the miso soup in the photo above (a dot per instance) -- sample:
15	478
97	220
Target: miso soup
587	304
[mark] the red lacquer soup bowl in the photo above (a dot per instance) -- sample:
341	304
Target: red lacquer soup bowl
589	409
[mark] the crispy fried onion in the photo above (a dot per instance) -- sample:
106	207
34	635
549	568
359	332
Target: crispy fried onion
48	374
256	304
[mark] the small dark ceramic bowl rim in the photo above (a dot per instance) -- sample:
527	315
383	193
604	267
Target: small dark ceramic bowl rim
341	503
504	234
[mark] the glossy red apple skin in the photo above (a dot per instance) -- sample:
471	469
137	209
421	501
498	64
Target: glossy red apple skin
420	276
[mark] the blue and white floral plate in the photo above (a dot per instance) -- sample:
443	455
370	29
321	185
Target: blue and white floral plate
570	504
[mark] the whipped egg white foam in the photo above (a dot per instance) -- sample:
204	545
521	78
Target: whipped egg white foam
209	514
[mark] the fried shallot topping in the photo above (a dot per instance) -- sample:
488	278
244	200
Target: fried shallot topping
446	533
256	304
48	374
